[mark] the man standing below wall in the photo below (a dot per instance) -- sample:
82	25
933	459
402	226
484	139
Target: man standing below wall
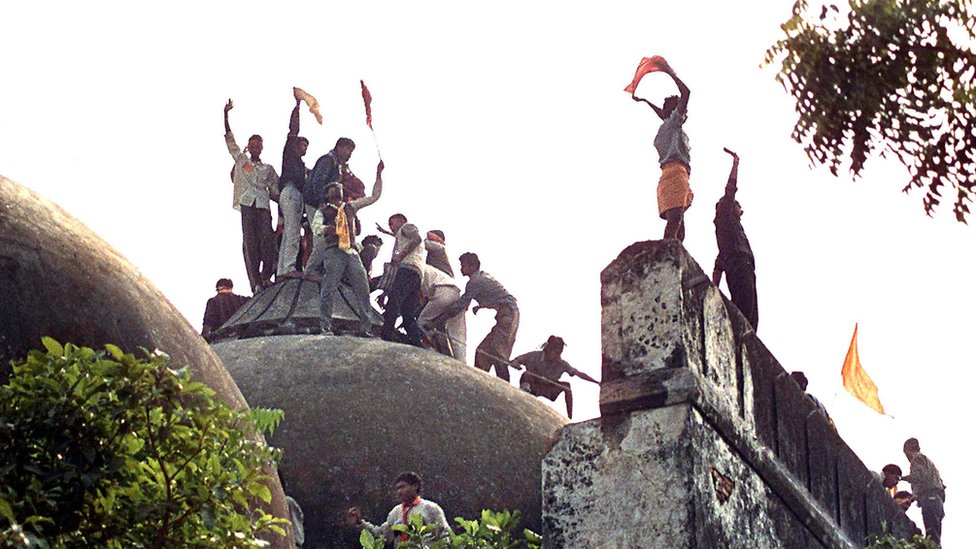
253	181
927	489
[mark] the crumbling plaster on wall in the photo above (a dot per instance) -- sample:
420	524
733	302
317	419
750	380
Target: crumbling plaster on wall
620	484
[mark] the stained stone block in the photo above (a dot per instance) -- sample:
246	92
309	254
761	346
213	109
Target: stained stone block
696	408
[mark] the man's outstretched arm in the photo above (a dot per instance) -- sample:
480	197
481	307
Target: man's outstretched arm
293	123
731	186
227	108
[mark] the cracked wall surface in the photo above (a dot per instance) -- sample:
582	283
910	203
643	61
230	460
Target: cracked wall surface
704	440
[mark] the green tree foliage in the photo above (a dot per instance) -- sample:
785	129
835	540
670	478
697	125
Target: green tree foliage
889	541
101	449
888	76
494	530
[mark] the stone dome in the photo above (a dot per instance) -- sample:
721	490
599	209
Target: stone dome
360	411
59	279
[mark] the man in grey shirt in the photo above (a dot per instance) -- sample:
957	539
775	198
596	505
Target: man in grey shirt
496	348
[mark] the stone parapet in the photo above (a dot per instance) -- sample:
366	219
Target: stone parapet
704	439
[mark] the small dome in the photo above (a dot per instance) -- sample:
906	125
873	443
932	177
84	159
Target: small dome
360	411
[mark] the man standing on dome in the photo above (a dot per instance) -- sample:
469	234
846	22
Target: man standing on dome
291	202
329	168
253	182
221	306
496	348
335	224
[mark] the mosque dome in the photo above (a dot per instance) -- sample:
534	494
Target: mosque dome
59	279
360	411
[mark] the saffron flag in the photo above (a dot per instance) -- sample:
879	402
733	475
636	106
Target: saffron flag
312	102
857	381
367	100
647	64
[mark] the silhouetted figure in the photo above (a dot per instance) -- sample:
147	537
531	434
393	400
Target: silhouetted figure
408	488
221	306
543	370
801	379
291	205
496	348
329	168
674	194
735	257
927	488
253	183
890	476
335	224
371	248
403	297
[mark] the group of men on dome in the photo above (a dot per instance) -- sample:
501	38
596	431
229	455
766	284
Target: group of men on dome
419	292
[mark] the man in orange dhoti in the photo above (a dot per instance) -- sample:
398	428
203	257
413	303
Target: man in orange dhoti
674	194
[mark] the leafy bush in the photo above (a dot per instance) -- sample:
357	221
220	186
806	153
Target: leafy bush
494	530
103	449
889	541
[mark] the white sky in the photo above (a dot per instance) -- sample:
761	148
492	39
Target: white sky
505	124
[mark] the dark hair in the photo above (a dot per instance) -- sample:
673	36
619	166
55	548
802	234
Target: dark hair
472	257
303	140
891	469
671	103
902	494
225	283
556	341
255	136
800	379
345	142
439	233
411	478
912	444
373	239
399	216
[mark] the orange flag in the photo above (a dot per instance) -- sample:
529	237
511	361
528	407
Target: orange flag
857	381
367	100
647	64
309	99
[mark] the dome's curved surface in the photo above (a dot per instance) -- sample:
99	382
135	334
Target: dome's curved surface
360	411
59	279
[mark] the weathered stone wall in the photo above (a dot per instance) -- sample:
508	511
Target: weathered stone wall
705	441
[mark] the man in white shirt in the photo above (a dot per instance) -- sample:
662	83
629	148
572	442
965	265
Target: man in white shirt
253	182
441	291
407	487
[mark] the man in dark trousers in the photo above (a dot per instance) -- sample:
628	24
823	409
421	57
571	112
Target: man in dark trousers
735	257
329	168
254	182
927	488
221	306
